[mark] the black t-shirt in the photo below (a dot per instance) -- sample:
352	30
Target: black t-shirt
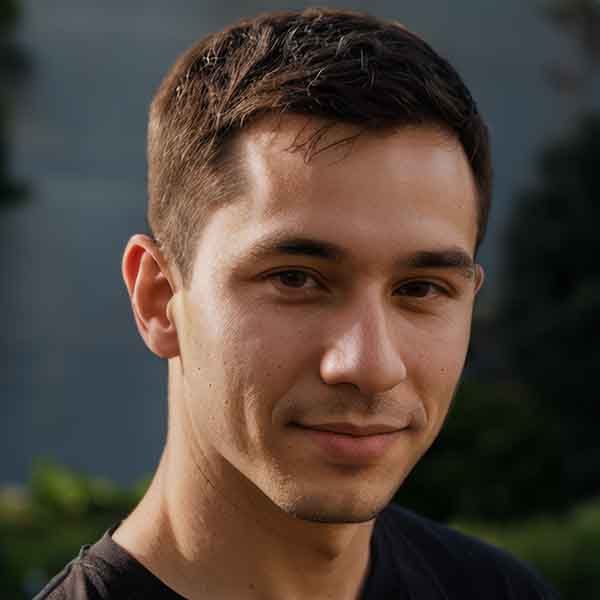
412	559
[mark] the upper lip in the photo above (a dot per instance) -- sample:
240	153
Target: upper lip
351	428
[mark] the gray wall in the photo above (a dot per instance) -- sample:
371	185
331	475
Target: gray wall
76	382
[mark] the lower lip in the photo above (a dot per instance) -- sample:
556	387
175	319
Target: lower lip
348	448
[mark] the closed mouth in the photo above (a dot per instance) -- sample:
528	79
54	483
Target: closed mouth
351	429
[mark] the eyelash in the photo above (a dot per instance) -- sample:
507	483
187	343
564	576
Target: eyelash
272	276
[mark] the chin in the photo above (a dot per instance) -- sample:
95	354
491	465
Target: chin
331	517
355	508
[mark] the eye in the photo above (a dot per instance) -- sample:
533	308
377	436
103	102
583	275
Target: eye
295	279
420	289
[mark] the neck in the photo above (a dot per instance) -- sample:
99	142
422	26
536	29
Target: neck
207	542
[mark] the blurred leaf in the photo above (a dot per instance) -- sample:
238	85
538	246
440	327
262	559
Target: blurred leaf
43	527
491	460
564	549
10	11
551	298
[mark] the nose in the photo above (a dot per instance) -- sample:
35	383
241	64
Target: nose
364	352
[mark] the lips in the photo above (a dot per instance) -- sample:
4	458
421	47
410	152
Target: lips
348	443
352	429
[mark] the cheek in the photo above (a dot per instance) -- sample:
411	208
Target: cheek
263	357
437	366
215	363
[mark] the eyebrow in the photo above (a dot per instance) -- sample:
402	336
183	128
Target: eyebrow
448	258
277	245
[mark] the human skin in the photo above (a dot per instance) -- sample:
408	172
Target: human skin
245	503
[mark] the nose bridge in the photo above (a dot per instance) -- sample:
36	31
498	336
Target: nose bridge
364	350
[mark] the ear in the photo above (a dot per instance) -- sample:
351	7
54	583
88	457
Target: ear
479	277
146	276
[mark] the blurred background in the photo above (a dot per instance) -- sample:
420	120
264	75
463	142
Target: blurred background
83	402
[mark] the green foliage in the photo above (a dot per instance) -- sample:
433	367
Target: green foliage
552	299
10	11
563	550
62	493
42	529
495	458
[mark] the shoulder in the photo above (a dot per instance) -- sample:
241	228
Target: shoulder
106	571
81	578
456	560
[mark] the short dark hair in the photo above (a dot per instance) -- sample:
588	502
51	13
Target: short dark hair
340	66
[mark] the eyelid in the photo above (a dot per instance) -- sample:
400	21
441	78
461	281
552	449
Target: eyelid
441	288
308	272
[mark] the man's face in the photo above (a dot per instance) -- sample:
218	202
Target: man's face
327	321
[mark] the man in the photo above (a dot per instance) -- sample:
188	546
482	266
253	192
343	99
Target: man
319	184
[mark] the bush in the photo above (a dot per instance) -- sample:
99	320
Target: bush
550	301
492	459
564	550
43	528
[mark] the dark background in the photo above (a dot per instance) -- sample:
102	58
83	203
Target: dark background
82	400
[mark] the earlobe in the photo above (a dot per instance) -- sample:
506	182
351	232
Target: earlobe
146	278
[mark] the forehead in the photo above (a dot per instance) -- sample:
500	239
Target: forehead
385	194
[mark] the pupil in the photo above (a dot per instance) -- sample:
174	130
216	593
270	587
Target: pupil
293	278
418	289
